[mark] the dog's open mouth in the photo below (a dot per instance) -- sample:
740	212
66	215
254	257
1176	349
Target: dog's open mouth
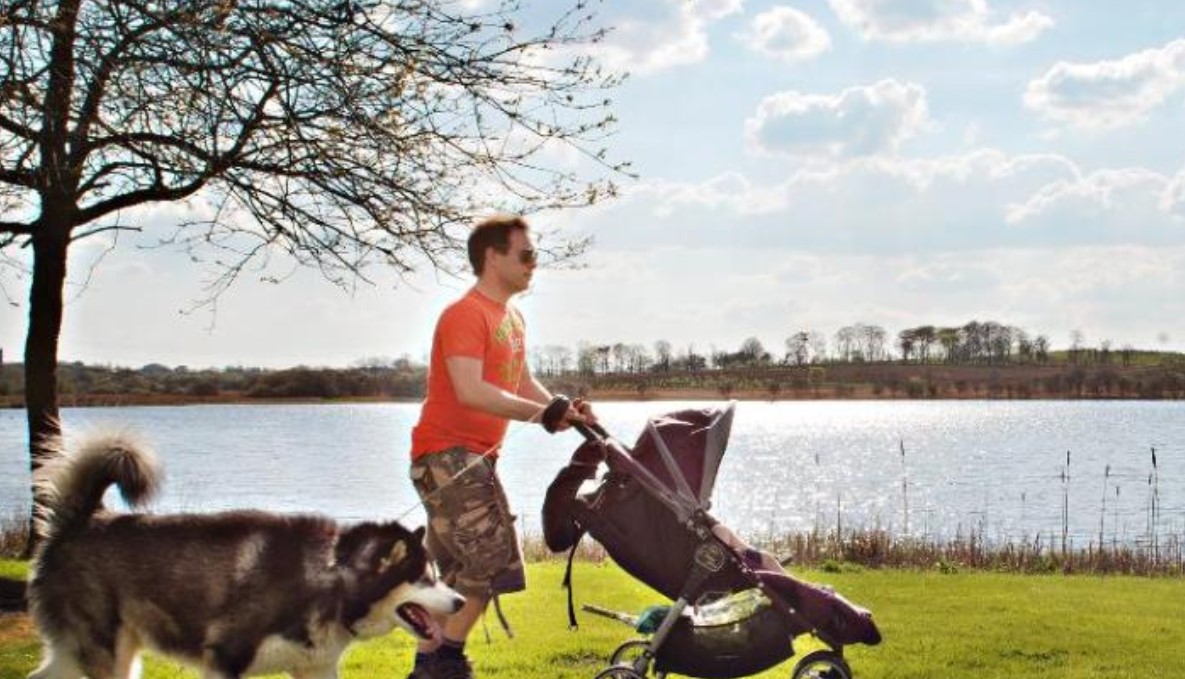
421	622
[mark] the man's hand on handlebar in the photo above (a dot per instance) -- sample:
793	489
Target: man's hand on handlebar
563	412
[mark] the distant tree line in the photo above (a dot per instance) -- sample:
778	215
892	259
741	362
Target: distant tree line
973	343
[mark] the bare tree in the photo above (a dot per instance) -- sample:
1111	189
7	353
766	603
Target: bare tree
1041	349
925	336
342	134
662	355
620	353
559	358
587	358
874	342
551	359
906	341
752	352
602	352
798	348
1077	341
1105	351
1024	345
818	346
846	343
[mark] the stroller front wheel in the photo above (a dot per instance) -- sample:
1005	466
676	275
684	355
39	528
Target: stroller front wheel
629	652
822	665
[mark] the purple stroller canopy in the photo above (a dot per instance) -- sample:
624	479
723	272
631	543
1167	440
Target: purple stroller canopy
682	451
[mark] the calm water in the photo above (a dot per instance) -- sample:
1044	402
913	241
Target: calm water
995	467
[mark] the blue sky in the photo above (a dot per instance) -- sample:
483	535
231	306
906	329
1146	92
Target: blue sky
803	166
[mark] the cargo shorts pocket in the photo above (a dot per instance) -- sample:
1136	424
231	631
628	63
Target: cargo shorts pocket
483	531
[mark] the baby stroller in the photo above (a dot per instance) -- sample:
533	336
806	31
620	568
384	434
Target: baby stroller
735	611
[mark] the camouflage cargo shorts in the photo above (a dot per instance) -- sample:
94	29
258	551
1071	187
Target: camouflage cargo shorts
471	533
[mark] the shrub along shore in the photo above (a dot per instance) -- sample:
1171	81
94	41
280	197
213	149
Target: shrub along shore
864	548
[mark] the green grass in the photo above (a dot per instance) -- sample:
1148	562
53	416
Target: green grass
943	626
12	568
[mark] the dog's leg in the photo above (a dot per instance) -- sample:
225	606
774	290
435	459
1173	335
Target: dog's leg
57	664
98	662
228	658
127	655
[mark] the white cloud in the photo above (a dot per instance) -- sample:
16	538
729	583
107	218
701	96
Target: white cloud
938	20
731	191
1108	94
787	34
888	204
661	34
1123	193
1173	200
859	121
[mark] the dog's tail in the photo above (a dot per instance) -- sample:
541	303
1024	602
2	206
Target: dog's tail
72	482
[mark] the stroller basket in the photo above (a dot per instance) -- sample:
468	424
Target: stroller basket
739	635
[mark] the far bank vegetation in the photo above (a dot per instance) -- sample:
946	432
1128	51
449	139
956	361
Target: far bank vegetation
975	360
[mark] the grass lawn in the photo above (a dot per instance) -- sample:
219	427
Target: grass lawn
948	626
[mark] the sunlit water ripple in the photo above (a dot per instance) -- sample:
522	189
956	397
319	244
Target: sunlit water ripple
991	466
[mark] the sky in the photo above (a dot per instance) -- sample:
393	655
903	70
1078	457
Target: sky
801	165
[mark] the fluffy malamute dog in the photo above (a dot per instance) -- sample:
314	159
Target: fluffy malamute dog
233	594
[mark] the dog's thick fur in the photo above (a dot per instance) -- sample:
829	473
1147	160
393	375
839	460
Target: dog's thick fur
233	594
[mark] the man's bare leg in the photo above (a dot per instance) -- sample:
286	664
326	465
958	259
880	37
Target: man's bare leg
457	626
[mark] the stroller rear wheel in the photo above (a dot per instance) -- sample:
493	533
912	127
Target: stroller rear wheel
822	665
619	673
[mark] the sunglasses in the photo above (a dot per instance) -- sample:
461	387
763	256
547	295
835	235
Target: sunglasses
528	256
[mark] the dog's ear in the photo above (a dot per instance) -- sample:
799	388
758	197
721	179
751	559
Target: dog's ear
418	535
397	555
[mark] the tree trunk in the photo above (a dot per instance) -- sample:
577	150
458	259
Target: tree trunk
41	349
58	183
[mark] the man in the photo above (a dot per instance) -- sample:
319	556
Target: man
478	380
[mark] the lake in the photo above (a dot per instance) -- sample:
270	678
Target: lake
995	467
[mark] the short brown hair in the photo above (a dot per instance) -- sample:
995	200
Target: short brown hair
492	233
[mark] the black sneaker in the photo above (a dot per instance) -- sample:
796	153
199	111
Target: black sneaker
423	671
450	667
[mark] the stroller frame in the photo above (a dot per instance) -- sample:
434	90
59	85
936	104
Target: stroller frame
713	553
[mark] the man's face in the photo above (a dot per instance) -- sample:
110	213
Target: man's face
513	269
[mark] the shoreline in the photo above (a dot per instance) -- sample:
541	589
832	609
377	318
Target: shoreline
606	395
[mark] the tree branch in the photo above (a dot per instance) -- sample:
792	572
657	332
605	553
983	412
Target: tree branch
130	199
16	228
102	229
22	131
25	178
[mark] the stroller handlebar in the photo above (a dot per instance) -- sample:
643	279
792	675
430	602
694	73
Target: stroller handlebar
591	432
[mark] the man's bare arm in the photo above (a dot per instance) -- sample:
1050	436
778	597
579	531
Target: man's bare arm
474	392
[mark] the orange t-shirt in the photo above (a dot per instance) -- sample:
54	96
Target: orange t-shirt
474	326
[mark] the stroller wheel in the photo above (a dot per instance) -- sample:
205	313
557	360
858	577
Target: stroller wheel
629	652
822	665
619	673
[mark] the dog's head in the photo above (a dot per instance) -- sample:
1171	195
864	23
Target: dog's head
391	582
